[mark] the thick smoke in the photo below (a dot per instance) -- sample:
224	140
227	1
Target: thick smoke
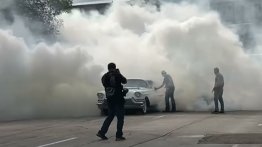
185	40
45	81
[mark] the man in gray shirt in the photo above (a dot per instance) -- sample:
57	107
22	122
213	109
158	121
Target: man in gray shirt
170	89
218	91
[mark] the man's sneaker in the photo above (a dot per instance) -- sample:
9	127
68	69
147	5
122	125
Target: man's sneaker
120	138
222	112
215	112
103	137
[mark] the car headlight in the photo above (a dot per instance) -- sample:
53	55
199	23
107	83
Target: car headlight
138	94
100	95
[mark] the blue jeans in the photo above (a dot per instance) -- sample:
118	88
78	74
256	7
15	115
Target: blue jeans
114	109
170	95
218	96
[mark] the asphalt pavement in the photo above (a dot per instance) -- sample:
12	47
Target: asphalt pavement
185	129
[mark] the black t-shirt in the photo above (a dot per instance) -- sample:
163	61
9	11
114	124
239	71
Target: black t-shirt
118	80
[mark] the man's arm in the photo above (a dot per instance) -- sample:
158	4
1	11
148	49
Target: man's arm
156	88
214	88
103	80
123	79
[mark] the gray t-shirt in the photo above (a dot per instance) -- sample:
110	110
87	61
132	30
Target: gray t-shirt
219	81
168	81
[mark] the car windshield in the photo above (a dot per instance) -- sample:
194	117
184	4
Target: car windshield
136	83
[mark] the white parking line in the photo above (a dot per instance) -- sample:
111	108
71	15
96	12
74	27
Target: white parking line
235	145
193	136
57	142
259	125
159	116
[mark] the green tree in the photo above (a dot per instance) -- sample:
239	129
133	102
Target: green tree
41	15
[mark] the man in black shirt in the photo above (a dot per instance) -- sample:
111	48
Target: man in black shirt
112	82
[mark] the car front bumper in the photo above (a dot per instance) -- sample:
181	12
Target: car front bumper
130	103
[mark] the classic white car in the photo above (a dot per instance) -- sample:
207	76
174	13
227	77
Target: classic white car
141	96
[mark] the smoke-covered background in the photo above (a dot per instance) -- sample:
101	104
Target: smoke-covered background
60	79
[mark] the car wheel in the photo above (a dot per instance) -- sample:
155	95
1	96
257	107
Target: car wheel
144	109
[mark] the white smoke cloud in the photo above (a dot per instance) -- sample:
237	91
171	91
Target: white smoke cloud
45	81
183	39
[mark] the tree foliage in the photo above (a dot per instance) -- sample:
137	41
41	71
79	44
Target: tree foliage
41	15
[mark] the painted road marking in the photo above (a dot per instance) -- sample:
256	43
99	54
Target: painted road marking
159	116
57	142
259	125
193	136
235	145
